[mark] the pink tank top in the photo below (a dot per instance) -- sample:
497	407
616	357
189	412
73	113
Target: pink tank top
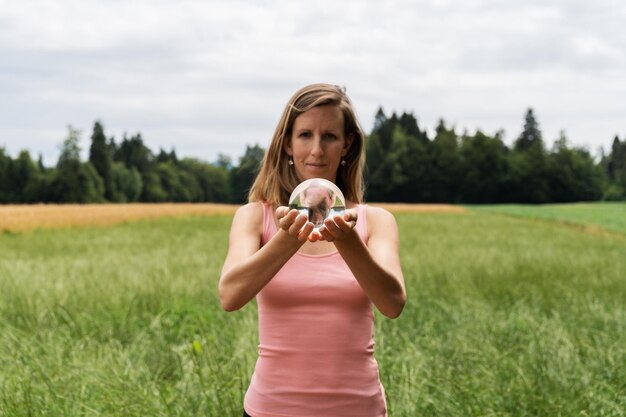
316	340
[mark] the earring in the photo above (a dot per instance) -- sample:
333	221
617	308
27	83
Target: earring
343	162
290	161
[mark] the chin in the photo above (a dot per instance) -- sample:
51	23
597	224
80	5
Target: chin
308	174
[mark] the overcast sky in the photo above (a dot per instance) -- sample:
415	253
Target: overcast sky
209	77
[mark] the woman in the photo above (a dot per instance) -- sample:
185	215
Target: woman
314	289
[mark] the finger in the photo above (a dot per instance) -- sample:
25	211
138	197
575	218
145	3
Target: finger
306	232
287	220
281	212
350	215
297	224
343	224
331	227
314	235
331	223
325	235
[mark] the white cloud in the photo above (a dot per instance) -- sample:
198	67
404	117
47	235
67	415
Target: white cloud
211	77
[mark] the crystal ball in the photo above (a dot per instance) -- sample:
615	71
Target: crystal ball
319	199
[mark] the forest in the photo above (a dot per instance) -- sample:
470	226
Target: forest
403	164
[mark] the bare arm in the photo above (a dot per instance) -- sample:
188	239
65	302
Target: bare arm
248	266
377	265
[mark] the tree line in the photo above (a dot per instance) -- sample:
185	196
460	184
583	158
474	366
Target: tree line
403	165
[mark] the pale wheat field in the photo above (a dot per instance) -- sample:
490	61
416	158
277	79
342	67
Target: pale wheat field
21	218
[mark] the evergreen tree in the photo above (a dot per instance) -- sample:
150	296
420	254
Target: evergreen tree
484	169
572	174
6	183
101	158
399	172
127	183
213	180
410	164
170	157
70	149
40	164
380	119
383	128
224	162
134	154
528	165
152	190
241	177
25	178
178	184
112	148
408	123
75	182
616	171
397	159
618	159
445	165
384	173
374	159
531	135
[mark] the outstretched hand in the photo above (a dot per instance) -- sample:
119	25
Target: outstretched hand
294	223
339	227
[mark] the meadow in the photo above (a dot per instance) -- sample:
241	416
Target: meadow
591	216
507	316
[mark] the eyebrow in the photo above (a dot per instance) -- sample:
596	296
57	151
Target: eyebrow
325	131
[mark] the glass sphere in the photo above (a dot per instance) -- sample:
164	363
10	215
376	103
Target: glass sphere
319	199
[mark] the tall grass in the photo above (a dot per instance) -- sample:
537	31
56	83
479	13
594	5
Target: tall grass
505	317
609	216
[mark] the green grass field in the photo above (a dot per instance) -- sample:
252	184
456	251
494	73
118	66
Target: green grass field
507	316
607	216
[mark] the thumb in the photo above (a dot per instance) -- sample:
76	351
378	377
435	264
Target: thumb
281	212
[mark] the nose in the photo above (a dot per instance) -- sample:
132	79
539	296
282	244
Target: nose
317	149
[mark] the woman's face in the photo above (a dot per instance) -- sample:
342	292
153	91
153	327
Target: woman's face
318	143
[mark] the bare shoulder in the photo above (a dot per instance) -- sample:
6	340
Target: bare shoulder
249	217
379	217
254	209
381	224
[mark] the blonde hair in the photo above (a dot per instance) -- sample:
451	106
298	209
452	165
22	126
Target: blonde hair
277	179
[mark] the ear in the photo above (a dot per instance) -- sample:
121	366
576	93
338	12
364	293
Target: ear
287	147
348	144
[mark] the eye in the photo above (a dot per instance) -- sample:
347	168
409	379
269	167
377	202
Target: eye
330	136
304	134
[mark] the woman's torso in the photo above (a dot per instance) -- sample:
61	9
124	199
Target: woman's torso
316	338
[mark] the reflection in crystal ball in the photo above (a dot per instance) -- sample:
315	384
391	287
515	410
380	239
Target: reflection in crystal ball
319	199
